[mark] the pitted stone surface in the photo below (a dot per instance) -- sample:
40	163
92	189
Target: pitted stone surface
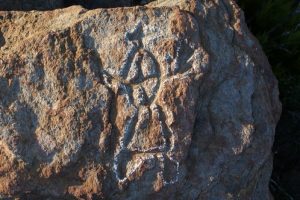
171	100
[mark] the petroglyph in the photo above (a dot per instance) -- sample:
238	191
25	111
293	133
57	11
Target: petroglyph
152	75
138	73
173	100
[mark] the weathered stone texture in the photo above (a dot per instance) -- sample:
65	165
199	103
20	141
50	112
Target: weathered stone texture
175	100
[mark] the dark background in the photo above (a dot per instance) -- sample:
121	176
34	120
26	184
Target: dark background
26	5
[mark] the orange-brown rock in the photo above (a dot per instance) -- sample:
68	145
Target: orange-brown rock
172	100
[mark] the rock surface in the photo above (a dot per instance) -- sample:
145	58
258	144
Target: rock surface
174	100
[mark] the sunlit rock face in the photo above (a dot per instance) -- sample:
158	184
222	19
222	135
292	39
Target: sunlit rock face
173	100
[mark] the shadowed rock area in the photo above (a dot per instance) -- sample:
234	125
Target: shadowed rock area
172	100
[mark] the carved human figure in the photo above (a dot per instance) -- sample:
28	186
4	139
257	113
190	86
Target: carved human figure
144	136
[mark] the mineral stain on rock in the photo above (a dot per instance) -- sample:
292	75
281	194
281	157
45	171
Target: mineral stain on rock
171	100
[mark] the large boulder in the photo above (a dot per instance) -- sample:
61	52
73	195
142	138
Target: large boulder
174	100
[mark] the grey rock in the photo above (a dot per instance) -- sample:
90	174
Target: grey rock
173	100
